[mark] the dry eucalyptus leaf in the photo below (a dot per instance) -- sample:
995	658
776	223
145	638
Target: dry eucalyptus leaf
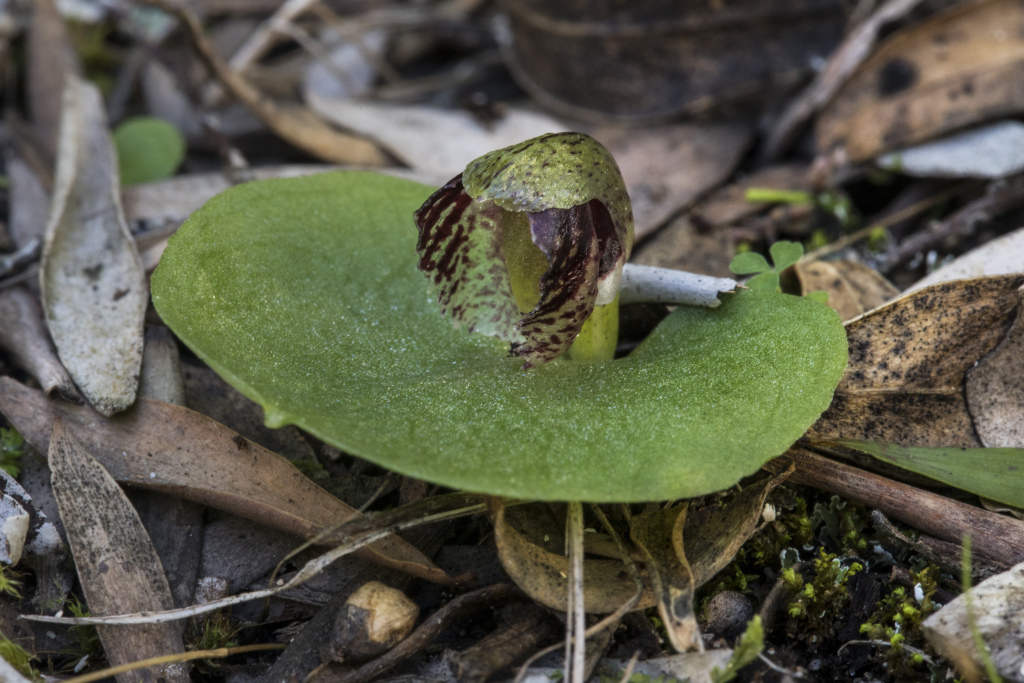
50	62
959	67
213	465
712	541
595	60
995	390
667	167
94	289
707	545
992	151
441	141
544	575
997	604
852	287
117	565
23	335
1002	256
669	571
904	382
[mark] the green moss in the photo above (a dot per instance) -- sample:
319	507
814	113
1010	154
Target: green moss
11	450
897	620
17	657
820	602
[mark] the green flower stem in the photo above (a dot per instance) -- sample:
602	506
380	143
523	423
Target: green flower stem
599	336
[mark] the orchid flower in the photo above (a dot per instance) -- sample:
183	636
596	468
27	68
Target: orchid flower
528	241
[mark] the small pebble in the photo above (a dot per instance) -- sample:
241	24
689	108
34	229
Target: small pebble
728	613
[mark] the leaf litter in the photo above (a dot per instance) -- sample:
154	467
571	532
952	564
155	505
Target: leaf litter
932	373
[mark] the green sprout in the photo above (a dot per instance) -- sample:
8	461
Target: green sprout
748	648
17	657
11	450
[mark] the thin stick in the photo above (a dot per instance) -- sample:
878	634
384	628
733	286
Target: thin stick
629	667
169	659
897	217
576	615
996	537
308	571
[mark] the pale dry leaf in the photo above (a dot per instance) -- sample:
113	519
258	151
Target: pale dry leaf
904	383
117	565
544	575
852	287
214	465
94	289
441	141
995	390
997	604
992	151
957	68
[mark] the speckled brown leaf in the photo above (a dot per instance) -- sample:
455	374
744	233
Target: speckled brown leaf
669	571
995	390
905	380
960	67
94	289
116	562
852	287
168	448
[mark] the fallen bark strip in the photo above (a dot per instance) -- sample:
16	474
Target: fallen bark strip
995	536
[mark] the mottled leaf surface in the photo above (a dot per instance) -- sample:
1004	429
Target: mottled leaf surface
304	294
93	285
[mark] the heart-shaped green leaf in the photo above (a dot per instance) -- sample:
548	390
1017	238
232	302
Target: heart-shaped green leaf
304	294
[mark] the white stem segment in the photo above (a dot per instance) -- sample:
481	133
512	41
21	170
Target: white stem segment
648	284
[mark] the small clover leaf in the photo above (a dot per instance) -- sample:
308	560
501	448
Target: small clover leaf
749	262
765	282
784	254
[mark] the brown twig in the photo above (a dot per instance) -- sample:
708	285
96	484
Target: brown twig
890	220
996	536
1002	196
855	48
454	611
294	123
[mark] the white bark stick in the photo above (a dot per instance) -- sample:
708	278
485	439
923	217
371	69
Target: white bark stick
666	286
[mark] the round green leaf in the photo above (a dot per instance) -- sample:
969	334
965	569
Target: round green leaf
148	149
304	294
